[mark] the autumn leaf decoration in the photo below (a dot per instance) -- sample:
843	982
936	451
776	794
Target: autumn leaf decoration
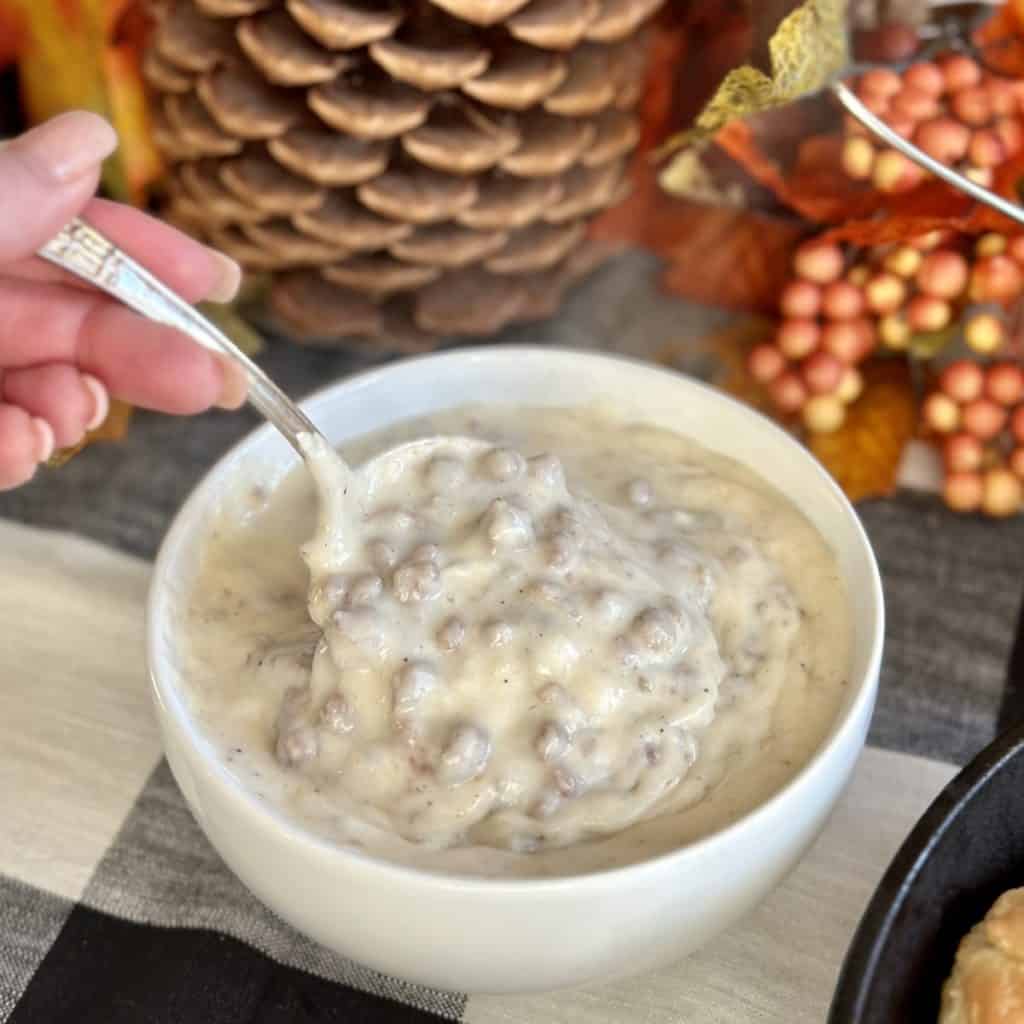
803	50
87	54
864	454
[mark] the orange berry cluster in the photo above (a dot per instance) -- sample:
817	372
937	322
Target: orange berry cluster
841	305
939	281
811	366
978	412
956	112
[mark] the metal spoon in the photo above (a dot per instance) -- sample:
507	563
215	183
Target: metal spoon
85	252
876	125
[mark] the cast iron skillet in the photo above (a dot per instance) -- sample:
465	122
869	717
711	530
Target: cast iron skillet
966	850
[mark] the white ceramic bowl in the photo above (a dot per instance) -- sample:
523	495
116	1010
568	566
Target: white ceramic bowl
482	935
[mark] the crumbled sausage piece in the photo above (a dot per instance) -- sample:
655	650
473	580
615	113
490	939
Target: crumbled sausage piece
412	683
382	554
337	714
546	804
503	464
426	553
496	633
444	473
639	492
507	526
465	755
451	635
562	552
297	746
547	470
417	581
552	741
365	590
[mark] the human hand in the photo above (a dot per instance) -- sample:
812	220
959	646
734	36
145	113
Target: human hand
65	348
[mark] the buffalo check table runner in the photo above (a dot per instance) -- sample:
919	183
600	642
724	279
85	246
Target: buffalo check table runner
115	908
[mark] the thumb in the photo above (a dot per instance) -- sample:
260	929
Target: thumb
46	176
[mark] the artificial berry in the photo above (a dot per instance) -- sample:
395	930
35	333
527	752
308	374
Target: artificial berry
914	104
879	82
962	453
960	72
980	176
903	261
984	333
851	126
1015	248
894	332
983	418
932	239
927	313
800	300
963	491
851	384
822	373
1002	96
986	149
943	274
1004	383
1002	492
849	341
788	392
1017	424
821	262
901	125
765	363
858	158
943	139
926	77
941	413
798	338
885	293
963	381
1010	133
972	106
823	414
996	279
893	172
842	300
876	103
990	244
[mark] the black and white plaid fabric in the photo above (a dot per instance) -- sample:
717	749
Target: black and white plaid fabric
115	909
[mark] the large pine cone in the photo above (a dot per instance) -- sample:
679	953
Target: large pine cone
402	168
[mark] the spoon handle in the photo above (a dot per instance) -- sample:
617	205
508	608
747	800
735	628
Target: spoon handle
854	106
90	255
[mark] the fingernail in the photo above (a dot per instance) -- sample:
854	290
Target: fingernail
68	146
100	400
45	441
229	278
235	386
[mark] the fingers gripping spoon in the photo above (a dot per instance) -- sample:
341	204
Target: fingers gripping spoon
88	254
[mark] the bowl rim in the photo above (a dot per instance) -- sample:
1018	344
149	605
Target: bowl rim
839	733
862	960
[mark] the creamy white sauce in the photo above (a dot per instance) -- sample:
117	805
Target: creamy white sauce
578	644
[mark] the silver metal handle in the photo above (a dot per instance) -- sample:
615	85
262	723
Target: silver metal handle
875	124
90	255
